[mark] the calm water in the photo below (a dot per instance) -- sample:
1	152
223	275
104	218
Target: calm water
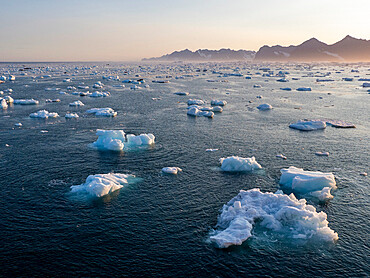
160	225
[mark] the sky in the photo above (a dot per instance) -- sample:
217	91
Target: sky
120	30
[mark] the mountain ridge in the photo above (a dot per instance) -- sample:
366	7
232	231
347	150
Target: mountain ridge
348	49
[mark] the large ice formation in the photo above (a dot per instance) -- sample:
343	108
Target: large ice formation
317	184
239	164
284	214
115	140
102	184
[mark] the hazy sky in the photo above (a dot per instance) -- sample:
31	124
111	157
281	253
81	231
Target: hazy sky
113	30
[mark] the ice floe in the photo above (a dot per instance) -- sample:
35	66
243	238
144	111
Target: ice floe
218	102
304	89
102	184
116	140
239	164
104	112
196	112
44	114
171	170
264	107
283	214
71	116
26	101
308	125
77	103
312	182
195	102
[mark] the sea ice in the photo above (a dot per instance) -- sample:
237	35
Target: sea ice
171	170
71	116
194	111
308	125
284	214
44	114
76	103
26	101
105	112
304	89
264	107
218	102
102	184
195	101
239	164
322	153
307	181
115	140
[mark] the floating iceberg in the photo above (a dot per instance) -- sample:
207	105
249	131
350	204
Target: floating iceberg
315	183
304	89
8	99
281	156
44	114
102	184
194	111
218	102
322	153
100	94
76	103
239	164
115	140
3	104
308	125
26	101
264	107
171	170
284	214
71	116
105	112
195	101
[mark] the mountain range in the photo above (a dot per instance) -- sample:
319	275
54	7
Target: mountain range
348	49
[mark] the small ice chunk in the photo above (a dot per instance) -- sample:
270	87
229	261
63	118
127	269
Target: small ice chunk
71	116
239	164
102	184
264	107
44	114
195	101
363	174
304	89
26	101
211	150
76	103
322	153
100	94
181	93
218	102
194	111
308	125
3	104
105	112
281	156
171	170
18	124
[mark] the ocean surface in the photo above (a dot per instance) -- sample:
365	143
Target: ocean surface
159	226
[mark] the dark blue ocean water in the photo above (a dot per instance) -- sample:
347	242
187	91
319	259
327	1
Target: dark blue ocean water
159	226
